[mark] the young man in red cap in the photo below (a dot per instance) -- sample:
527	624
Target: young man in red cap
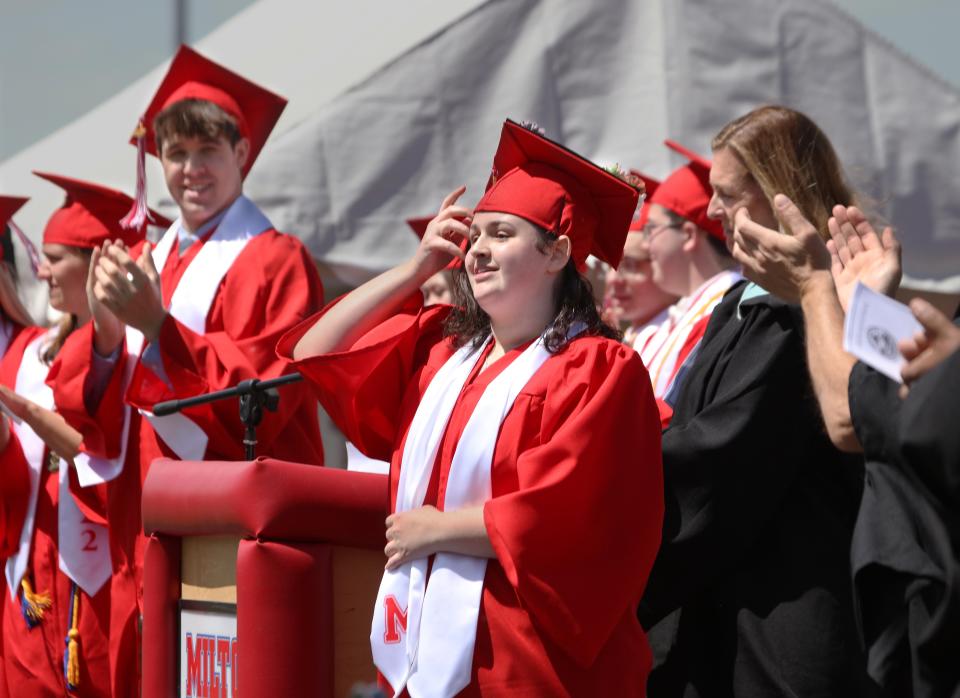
631	297
521	532
689	258
58	557
202	310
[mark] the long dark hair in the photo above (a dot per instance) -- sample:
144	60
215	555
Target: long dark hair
574	303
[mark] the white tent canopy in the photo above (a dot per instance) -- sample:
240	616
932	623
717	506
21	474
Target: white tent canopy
394	104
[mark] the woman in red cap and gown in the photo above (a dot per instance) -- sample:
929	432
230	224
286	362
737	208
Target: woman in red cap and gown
56	553
521	532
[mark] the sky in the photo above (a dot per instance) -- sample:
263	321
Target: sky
926	30
60	56
63	72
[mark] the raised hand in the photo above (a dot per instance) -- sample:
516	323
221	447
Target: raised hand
130	289
108	330
444	235
940	338
859	254
783	264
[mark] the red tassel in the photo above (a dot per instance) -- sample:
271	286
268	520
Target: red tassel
139	214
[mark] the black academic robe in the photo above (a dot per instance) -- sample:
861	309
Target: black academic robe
906	546
750	593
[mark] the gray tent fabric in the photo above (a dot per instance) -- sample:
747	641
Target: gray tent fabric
612	79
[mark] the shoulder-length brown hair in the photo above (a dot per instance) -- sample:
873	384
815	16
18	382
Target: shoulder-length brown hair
574	303
787	153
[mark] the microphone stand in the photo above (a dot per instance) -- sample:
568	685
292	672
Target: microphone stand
255	396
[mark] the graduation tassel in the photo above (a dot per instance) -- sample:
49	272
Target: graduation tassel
33	605
71	658
139	213
28	244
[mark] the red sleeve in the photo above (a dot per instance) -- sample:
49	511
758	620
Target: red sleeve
14	495
578	539
272	286
68	378
363	389
666	413
14	470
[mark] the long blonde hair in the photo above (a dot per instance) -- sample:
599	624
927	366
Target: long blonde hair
787	153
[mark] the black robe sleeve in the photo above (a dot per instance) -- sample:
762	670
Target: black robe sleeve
906	573
874	411
930	430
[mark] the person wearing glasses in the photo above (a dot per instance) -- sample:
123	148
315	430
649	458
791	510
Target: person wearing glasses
630	297
688	258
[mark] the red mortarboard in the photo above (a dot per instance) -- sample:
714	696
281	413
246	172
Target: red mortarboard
90	215
8	206
650	185
419	225
192	76
556	189
687	191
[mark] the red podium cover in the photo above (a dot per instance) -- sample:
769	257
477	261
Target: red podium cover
289	517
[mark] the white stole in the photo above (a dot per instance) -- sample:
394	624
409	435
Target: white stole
84	548
434	657
191	303
662	350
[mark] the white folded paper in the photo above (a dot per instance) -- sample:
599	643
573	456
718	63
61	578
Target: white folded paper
873	327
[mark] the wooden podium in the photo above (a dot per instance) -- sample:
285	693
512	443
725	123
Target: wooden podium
297	548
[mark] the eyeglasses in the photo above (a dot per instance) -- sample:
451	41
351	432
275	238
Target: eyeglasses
650	231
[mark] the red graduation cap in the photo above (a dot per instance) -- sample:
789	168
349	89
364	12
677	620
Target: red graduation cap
193	76
8	206
419	225
650	186
91	215
561	191
687	191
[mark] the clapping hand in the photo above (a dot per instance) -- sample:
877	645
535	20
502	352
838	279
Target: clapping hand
783	264
129	289
859	254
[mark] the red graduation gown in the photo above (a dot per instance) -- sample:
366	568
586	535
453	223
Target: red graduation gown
271	286
32	659
574	518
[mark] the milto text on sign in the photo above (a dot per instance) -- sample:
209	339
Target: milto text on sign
211	670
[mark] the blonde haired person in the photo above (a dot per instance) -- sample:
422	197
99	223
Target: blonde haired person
58	561
750	594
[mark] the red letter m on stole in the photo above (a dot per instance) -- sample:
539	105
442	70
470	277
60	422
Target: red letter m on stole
395	620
